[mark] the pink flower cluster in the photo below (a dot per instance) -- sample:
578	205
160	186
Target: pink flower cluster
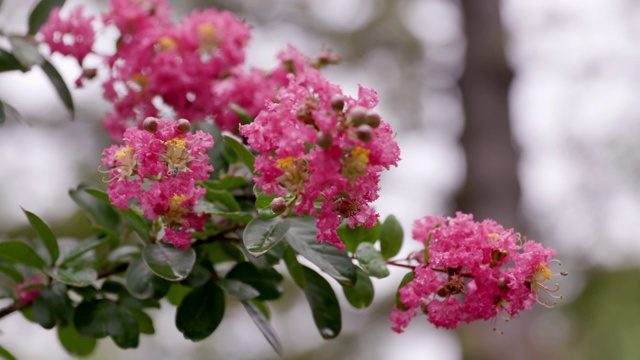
475	270
73	36
157	167
322	150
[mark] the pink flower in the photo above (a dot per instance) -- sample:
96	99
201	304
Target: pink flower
156	169
475	270
322	149
73	36
26	293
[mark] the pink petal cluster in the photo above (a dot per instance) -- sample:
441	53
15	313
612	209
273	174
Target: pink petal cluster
156	168
72	36
322	150
475	270
29	295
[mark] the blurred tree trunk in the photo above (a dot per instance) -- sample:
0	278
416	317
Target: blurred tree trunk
491	188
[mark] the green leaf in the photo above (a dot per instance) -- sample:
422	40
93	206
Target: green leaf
263	203
408	277
260	235
19	252
242	114
337	264
61	88
264	281
371	260
293	266
40	14
26	52
139	280
361	294
226	182
141	226
49	240
3	116
169	262
223	198
200	312
264	325
6	354
211	209
52	306
391	236
79	276
82	248
100	212
324	304
8	62
73	342
99	318
176	293
238	289
243	153
145	324
8	269
353	237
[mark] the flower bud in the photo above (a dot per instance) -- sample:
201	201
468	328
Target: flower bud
357	115
337	103
150	124
364	132
278	205
373	118
304	114
324	140
184	125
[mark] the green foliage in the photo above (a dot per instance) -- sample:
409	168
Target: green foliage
360	295
19	252
40	14
353	237
8	62
262	322
46	235
371	260
52	306
168	262
5	354
391	236
245	155
408	277
79	276
324	304
101	318
75	343
200	312
260	235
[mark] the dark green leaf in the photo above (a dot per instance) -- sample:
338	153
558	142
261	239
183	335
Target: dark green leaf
353	237
219	252
238	289
242	114
49	240
3	116
260	235
408	277
226	182
58	83
371	260
145	324
52	306
324	304
337	264
80	249
26	52
361	294
264	281
391	235
211	209
73	342
176	293
169	262
123	254
8	62
8	269
100	212
40	14
99	318
79	276
200	312
198	276
244	153
264	325
294	267
19	252
6	354
141	226
139	280
223	198
263	203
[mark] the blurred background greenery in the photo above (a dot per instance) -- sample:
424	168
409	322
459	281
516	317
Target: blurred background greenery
525	112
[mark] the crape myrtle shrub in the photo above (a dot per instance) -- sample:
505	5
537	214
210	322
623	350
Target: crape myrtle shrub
219	172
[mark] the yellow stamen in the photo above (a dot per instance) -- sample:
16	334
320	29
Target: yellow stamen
177	156
494	236
356	163
176	209
167	43
139	81
208	38
125	151
294	175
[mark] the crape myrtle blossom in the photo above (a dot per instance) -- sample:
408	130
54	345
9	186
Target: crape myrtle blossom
321	150
156	169
73	36
475	270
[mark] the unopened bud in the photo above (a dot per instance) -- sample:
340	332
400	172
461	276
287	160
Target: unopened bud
357	115
89	73
184	125
150	124
373	118
337	103
324	140
364	132
278	205
304	114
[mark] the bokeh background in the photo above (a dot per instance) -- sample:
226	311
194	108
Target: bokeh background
523	111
